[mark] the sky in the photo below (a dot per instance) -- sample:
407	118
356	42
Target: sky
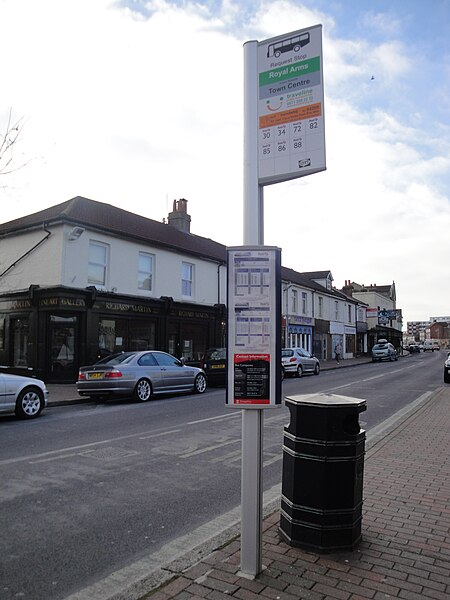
137	103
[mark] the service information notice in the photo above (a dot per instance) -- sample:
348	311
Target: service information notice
254	288
291	132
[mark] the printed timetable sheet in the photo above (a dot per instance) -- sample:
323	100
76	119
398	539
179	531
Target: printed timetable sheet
253	323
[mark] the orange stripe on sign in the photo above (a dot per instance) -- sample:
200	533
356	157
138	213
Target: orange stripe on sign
287	116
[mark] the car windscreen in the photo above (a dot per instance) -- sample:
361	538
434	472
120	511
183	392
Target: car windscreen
380	347
287	353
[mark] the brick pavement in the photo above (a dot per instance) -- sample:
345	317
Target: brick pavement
405	550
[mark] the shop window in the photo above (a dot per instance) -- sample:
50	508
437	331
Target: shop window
187	279
106	337
2	333
142	336
350	344
117	335
20	335
98	263
145	271
62	330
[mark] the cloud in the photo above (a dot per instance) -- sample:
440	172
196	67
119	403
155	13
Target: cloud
386	23
139	103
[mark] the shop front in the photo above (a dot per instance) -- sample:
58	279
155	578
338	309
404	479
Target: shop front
350	341
321	341
299	332
51	332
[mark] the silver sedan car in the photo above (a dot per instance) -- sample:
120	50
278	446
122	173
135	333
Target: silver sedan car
141	375
297	361
24	396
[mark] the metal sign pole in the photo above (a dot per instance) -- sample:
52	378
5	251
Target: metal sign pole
252	419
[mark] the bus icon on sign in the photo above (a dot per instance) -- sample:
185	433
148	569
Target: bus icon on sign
304	163
293	43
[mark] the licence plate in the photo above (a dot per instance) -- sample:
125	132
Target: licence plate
95	375
217	366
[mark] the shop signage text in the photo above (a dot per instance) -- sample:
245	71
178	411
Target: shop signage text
71	302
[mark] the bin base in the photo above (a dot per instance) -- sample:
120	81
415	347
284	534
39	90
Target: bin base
320	538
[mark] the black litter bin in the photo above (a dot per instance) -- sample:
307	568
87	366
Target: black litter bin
323	464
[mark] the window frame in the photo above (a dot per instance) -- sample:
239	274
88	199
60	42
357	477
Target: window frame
320	306
304	303
294	301
146	274
96	264
187	291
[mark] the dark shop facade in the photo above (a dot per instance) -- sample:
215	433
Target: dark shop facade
51	332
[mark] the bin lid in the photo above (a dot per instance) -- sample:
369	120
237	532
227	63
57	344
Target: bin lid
326	400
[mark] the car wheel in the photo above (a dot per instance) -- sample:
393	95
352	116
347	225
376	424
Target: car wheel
317	369
30	403
446	377
299	371
143	390
200	384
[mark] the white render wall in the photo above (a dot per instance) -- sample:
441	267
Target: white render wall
122	275
60	261
42	266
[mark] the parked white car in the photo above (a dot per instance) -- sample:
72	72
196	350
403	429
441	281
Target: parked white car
430	345
24	396
296	361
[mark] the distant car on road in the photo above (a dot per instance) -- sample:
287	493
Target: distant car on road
140	375
431	345
296	361
414	348
24	396
447	369
384	350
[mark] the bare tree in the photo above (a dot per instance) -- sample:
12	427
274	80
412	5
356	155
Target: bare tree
8	143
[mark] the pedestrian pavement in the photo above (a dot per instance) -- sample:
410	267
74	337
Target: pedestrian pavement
405	547
66	393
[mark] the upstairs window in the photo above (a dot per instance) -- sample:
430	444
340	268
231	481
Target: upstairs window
294	301
336	310
349	313
320	306
98	263
187	279
145	271
304	303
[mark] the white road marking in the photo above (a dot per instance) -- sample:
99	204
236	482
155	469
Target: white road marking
209	448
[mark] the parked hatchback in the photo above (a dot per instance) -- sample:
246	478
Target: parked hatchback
214	364
24	396
296	361
141	375
383	350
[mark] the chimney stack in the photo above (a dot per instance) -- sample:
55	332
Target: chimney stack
179	218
